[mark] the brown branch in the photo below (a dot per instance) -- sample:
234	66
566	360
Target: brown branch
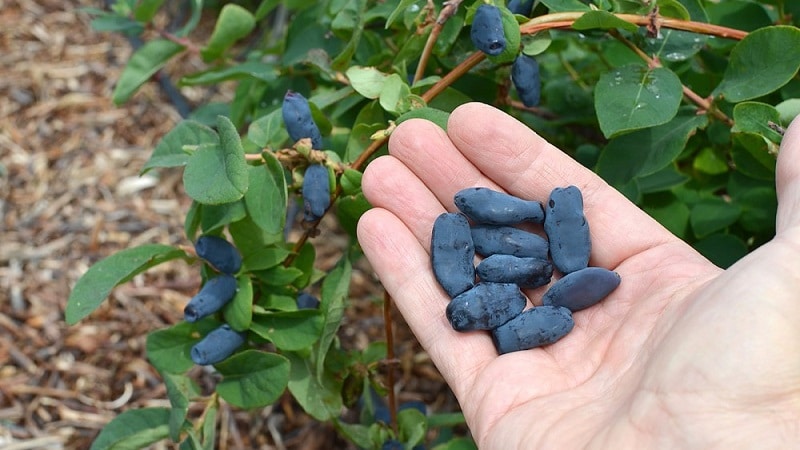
186	42
450	8
387	324
558	20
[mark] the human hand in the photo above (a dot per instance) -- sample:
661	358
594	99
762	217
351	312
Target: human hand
681	355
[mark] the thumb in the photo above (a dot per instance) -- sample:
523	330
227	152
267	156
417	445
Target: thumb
788	179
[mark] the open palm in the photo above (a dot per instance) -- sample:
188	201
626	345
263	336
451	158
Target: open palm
681	355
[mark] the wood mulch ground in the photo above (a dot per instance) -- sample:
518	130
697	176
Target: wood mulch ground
70	195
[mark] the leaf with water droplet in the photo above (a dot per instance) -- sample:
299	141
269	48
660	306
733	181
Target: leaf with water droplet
635	97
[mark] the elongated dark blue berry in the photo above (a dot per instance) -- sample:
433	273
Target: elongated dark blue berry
218	252
525	272
526	79
487	30
452	253
484	205
582	288
298	120
215	294
316	192
307	301
491	239
520	7
217	345
486	306
567	229
538	326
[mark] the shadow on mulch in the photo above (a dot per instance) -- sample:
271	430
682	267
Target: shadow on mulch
70	195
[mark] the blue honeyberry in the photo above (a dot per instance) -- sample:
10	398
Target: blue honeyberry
567	229
298	120
215	294
525	272
220	253
316	192
307	301
487	32
486	306
526	79
538	326
484	205
492	239
581	289
392	444
217	345
452	253
520	7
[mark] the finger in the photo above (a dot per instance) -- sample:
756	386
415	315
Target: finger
509	153
404	267
389	184
788	179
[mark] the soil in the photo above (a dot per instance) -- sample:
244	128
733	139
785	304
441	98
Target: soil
70	195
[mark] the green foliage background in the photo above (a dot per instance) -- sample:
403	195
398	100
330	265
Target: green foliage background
679	104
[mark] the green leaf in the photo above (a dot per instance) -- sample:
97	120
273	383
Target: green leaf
144	62
265	7
602	20
252	378
196	8
134	429
304	262
350	19
318	395
401	8
168	349
761	63
367	81
265	72
174	148
463	443
750	154
722	249
96	284
268	131
360	138
349	209
646	151
670	212
216	175
332	304
759	207
238	312
708	161
712	215
146	9
788	109
755	117
565	5
351	181
209	428
289	330
394	95
180	390
434	115
662	180
265	258
234	23
412	426
279	275
634	97
214	217
266	197
107	22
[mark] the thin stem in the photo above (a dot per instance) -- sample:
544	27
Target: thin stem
450	8
387	324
